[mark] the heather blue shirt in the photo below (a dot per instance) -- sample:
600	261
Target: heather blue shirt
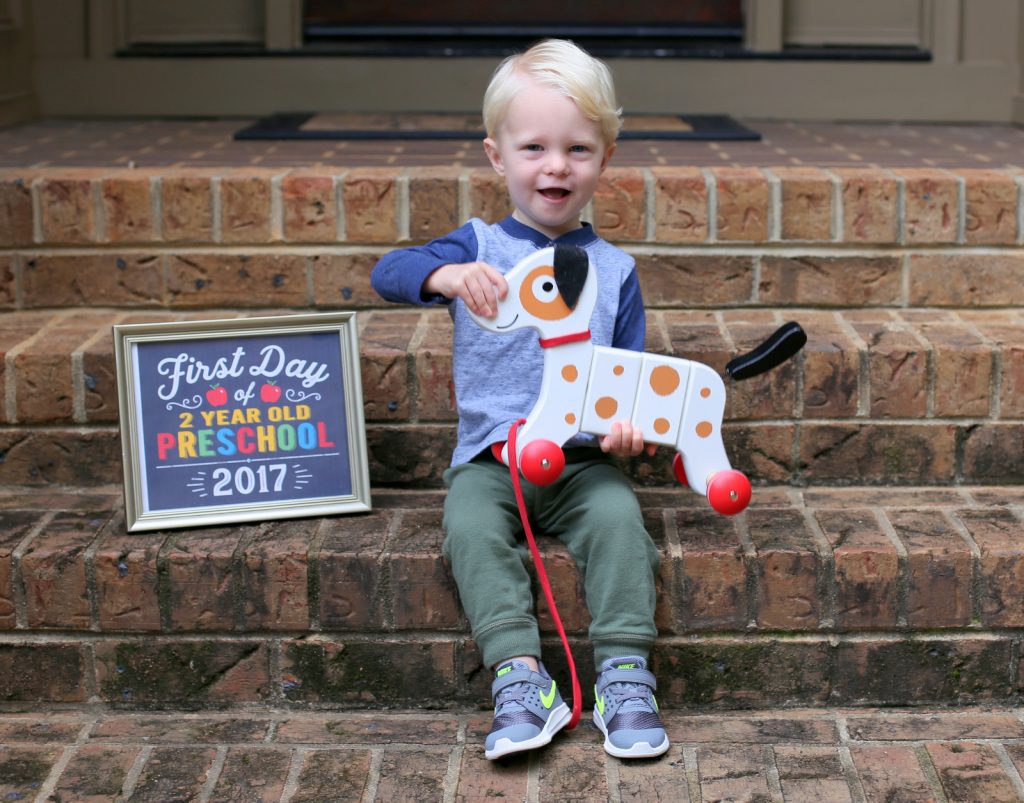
498	376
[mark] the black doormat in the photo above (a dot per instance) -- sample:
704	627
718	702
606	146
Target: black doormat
410	125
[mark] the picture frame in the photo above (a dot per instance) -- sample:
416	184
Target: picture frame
241	420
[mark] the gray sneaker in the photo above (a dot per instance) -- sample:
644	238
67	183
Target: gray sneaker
625	709
528	710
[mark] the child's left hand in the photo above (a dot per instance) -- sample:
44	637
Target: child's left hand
625	440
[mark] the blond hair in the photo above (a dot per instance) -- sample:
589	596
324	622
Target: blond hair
563	66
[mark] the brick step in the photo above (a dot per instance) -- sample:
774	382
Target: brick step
818	596
719	275
829	754
893	396
64	206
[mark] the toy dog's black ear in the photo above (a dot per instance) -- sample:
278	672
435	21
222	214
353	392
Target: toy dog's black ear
571	267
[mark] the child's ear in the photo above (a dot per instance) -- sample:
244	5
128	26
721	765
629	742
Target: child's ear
491	149
607	156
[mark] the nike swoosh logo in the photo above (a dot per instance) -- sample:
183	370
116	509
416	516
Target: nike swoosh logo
599	702
548	699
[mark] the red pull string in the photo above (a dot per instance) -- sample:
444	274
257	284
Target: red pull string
542	575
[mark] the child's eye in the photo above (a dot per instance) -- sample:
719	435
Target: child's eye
580	149
533	147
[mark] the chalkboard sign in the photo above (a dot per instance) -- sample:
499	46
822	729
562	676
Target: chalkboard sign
242	419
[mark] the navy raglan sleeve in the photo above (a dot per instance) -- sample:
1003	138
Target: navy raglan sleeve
399	275
630	323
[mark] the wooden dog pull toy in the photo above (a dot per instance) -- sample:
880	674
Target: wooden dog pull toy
586	388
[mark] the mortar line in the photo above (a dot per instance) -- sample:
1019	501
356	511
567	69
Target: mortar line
463	198
1009	768
403	213
339	203
91	586
836	216
996	362
976	584
214	774
11	373
826	583
17	579
131	778
901	207
650	205
18	266
291	783
99	211
277	222
533	778
905	280
863	365
313	589
35	195
961	209
931	775
756	269
692	771
50	784
902	567
750	582
1020	210
156	206
277	692
850	772
451	777
774	206
784	249
772	774
712	209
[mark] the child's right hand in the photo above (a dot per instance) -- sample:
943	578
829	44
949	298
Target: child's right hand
478	284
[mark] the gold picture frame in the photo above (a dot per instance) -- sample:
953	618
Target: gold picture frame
241	419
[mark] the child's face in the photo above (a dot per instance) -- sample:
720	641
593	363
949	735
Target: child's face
551	156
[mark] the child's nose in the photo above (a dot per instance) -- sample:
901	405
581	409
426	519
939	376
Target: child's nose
557	164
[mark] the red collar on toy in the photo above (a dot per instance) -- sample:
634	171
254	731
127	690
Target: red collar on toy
546	343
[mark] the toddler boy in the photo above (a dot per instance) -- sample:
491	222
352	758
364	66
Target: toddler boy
552	122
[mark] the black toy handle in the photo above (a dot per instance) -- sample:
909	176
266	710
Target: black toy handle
787	340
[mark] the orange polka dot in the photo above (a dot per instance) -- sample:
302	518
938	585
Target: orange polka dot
570	418
606	407
705	392
617	370
661	425
570	373
704	429
664	380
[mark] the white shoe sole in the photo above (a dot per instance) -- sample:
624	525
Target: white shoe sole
638	750
559	719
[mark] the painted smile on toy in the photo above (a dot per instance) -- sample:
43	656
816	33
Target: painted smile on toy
507	325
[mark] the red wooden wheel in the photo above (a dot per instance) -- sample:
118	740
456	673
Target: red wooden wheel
678	470
542	461
729	492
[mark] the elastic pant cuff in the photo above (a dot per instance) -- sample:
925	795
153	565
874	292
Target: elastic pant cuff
504	642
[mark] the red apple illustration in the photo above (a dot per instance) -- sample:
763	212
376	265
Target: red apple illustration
270	393
217	395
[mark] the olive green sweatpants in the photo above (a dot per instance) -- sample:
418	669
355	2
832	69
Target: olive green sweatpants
592	509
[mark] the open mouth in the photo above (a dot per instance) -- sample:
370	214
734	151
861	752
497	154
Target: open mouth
507	325
555	193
